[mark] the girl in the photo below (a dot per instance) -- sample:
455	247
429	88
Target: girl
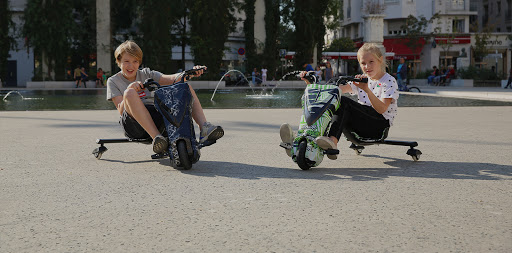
375	109
139	117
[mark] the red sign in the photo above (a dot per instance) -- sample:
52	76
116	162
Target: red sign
455	40
241	51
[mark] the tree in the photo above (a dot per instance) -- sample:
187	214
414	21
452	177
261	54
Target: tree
310	26
157	40
480	49
343	44
6	40
210	24
48	28
415	30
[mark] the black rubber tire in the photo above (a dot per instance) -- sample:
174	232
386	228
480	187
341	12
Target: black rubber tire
301	156
414	89
183	155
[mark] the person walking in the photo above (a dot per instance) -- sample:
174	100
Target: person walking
83	76
401	74
77	75
264	75
328	72
509	79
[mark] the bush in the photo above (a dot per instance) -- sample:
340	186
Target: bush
424	74
475	73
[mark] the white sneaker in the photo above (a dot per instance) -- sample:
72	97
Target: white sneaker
287	137
325	143
210	132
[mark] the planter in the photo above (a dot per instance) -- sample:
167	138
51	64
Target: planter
462	82
58	85
486	83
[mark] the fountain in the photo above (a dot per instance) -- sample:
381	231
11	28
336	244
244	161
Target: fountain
222	78
14	95
263	93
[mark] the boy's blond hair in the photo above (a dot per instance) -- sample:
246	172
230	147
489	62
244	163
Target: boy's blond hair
374	49
129	47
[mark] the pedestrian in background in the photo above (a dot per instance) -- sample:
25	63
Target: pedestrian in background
83	76
77	75
328	72
401	74
99	78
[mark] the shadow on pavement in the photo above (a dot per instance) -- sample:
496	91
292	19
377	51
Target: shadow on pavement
399	168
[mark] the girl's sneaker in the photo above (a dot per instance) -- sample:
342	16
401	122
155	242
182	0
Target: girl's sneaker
210	132
287	137
325	143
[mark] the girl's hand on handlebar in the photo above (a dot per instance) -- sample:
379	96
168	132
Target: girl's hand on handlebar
361	85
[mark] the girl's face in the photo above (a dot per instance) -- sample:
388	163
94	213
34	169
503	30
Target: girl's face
129	66
371	66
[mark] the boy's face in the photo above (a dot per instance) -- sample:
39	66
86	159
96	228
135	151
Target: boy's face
370	65
129	66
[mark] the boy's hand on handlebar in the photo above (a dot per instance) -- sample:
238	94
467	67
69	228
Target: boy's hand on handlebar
302	75
137	86
196	71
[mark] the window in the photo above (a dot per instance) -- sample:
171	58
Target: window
391	1
349	8
458	26
457	4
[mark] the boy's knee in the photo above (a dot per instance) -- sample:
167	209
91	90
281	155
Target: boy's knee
130	93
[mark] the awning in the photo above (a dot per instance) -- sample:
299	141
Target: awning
401	49
340	55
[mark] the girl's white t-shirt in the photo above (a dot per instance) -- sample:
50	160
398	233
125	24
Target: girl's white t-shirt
385	87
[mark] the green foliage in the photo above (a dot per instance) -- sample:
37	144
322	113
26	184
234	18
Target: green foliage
343	44
250	46
48	26
83	37
6	40
475	73
309	29
415	28
210	24
480	48
270	57
157	40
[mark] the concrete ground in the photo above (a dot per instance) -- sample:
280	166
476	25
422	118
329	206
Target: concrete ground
246	195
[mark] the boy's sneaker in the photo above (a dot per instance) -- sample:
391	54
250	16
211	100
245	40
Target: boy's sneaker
287	137
210	132
160	144
325	143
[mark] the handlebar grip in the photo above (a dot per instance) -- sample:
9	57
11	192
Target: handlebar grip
345	79
150	84
193	71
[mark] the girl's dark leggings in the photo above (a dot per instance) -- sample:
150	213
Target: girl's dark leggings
362	119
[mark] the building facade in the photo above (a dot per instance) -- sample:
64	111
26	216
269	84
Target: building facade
452	37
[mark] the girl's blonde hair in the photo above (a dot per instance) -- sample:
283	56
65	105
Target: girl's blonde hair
129	47
374	49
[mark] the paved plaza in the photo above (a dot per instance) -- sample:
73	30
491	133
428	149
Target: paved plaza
246	195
